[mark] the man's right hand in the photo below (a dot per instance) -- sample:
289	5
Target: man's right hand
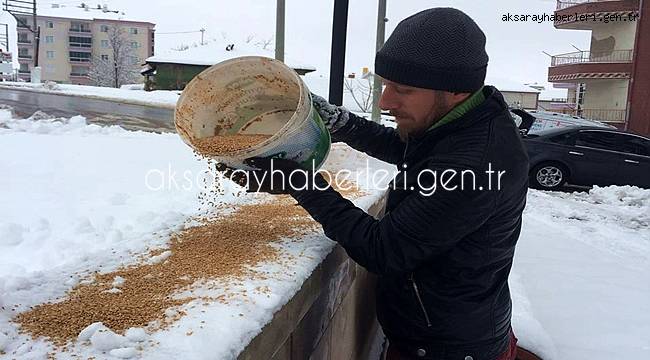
334	117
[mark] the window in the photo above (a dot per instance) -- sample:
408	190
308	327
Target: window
135	44
603	140
50	54
49	39
636	145
49	68
564	139
22	22
24	67
105	43
80	41
50	25
77	56
23	38
103	28
134	60
79	71
133	31
104	57
79	27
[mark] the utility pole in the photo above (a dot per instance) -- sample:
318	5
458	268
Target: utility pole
37	36
20	9
377	83
337	57
279	30
202	32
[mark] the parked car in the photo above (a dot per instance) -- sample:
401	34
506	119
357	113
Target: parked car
587	155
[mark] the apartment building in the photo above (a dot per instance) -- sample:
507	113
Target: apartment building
609	82
71	36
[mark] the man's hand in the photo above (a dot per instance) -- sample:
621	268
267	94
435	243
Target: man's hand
275	176
334	117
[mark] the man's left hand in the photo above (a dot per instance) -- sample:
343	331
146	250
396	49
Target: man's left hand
275	176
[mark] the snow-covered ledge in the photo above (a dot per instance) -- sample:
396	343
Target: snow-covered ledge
332	316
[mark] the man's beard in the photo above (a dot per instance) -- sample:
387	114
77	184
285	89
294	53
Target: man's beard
435	114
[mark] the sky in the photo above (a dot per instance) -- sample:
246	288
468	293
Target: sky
515	49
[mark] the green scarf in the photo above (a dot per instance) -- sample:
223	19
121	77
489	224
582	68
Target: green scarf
461	109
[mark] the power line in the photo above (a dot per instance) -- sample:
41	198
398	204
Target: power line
177	32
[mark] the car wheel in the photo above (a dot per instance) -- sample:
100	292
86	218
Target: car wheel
549	176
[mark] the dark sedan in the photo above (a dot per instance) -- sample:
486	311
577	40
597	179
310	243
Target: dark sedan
587	156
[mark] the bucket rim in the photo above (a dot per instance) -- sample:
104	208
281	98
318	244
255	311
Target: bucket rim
302	104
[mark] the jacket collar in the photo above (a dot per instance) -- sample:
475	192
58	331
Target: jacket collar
492	105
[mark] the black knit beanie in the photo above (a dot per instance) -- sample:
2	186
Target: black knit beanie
439	48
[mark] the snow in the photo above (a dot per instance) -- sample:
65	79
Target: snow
215	50
106	340
128	94
81	198
582	263
75	12
136	334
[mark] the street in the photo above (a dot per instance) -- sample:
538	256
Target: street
96	111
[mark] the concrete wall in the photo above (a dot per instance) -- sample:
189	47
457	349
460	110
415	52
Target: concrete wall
523	100
616	35
605	94
57	68
332	317
141	38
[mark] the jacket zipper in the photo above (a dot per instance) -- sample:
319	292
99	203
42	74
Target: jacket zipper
417	295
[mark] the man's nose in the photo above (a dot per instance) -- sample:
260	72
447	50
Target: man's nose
387	99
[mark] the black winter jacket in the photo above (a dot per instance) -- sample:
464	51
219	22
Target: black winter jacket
443	259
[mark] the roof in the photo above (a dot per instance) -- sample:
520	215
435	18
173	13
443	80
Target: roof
507	85
552	94
215	51
88	13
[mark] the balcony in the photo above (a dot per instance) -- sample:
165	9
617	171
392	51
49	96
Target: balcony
580	57
24	42
80	32
581	65
80	47
594	13
80	61
607	115
24	56
78	75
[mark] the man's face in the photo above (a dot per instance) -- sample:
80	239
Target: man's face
416	109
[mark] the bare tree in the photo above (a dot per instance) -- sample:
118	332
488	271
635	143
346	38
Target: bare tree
120	66
181	47
265	43
361	91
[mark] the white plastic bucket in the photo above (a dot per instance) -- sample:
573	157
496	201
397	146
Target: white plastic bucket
253	95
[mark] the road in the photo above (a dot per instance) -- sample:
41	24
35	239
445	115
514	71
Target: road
104	112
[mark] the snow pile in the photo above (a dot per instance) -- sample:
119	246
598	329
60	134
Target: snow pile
40	123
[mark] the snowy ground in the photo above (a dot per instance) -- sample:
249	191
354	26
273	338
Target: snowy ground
77	198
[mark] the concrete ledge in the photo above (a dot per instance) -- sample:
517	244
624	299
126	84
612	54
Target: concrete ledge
332	316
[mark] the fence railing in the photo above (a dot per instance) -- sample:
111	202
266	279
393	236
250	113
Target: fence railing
602	114
592	57
563	4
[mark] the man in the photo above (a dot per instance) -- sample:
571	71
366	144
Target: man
443	258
